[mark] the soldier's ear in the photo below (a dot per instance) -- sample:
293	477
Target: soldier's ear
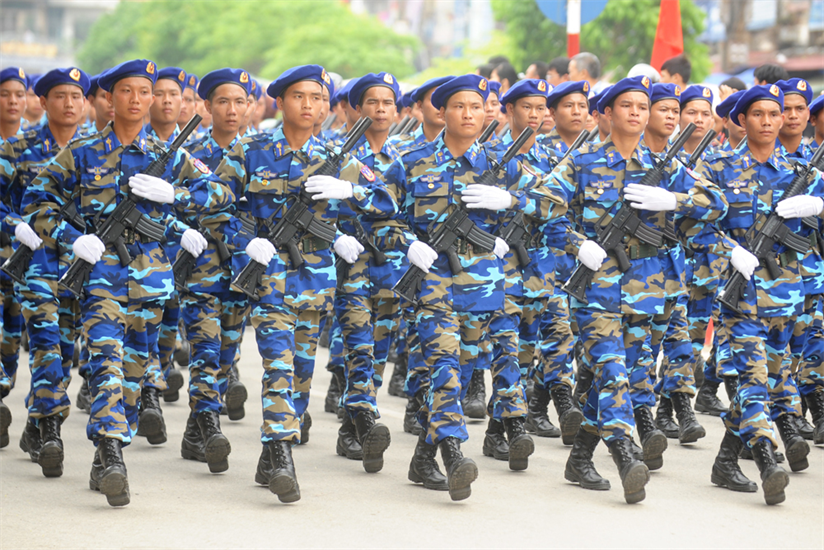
208	105
742	120
42	99
279	103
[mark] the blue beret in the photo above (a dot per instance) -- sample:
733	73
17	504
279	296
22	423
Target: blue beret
660	92
135	67
94	85
15	73
192	82
495	88
531	87
770	92
723	109
420	91
566	88
696	92
371	80
173	73
330	87
300	73
629	84
594	100
33	78
796	86
466	83
406	99
224	76
343	93
817	105
56	77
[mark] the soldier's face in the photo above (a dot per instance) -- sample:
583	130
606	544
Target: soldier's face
103	108
571	112
132	98
762	122
33	107
228	108
324	108
629	113
378	103
818	123
200	108
796	115
187	106
492	109
168	100
464	115
301	104
554	78
526	112
736	132
663	117
64	104
431	116
699	113
12	101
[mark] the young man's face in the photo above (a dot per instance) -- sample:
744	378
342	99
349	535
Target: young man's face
663	117
64	104
492	109
796	116
464	115
301	104
570	113
431	116
698	112
132	98
228	107
378	103
526	112
187	107
762	122
168	100
629	114
33	106
103	108
12	101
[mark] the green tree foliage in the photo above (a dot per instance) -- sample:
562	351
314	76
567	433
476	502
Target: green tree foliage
264	37
621	36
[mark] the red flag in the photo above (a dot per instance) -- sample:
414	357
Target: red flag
669	40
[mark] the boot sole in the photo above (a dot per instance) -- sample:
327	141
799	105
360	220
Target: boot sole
707	410
570	422
634	483
692	435
519	452
351	456
152	427
461	478
192	455
235	398
572	476
722	481
415	478
51	459
654	448
285	487
796	455
377	440
174	381
170	396
217	453
116	488
530	427
671	433
774	487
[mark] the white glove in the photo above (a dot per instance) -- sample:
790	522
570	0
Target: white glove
744	261
328	187
799	206
592	255
261	250
501	248
152	188
193	242
421	255
486	197
26	235
89	248
348	248
646	197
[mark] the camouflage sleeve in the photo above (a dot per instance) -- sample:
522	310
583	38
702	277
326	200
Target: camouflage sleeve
197	190
370	196
698	197
395	176
233	174
563	180
537	197
47	193
7	172
699	234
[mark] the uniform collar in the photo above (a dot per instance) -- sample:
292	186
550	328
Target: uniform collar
775	160
282	146
472	155
212	146
801	153
150	131
46	137
536	151
363	150
111	142
613	157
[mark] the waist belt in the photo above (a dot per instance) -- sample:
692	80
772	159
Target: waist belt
310	244
641	251
130	236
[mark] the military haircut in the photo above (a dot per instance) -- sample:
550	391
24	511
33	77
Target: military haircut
679	65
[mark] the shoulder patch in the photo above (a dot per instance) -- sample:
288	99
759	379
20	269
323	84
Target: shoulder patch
200	166
367	173
692	174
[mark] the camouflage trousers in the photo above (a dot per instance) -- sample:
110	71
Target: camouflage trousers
757	348
508	399
451	344
417	371
121	339
669	330
52	328
337	352
810	372
287	341
368	326
169	325
610	342
557	341
639	359
529	332
12	318
702	307
214	323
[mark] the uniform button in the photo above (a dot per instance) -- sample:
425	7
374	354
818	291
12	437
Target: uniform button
432	186
600	191
736	191
265	182
97	178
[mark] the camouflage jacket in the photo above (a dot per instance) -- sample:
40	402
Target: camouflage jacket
407	142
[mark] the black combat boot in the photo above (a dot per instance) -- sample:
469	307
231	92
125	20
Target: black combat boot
806	429
460	471
731	386
474	404
707	401
521	445
424	468
51	450
815	402
374	439
579	467
181	353
569	415
192	447
84	396
796	448
726	472
30	440
174	381
111	478
150	423
398	379
690	430
348	444
664	420
537	419
5	422
583	384
282	479
216	447
410	415
773	477
336	386
746	454
634	473
235	396
698	370
305	426
653	441
495	444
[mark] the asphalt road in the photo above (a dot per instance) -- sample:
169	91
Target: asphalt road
178	504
